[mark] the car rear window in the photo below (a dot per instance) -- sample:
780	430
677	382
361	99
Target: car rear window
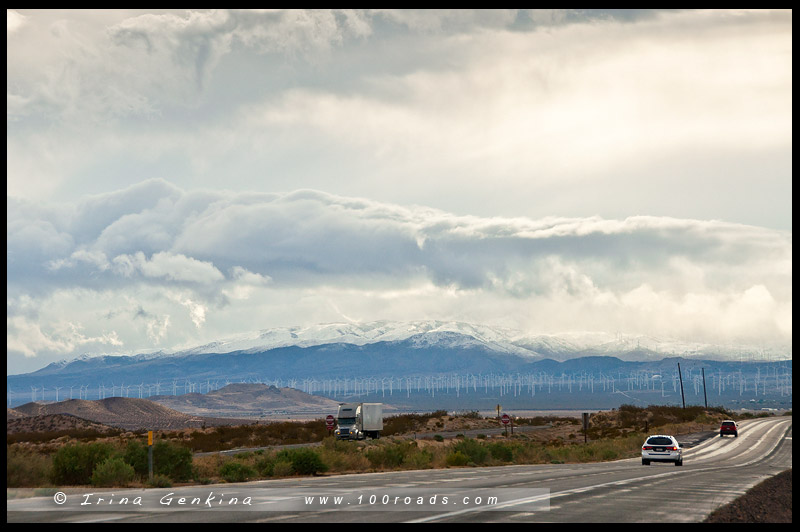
728	424
659	440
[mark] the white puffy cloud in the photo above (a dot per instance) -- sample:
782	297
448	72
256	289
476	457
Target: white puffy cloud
27	337
169	266
234	259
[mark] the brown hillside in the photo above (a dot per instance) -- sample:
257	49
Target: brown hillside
53	423
14	414
119	412
249	399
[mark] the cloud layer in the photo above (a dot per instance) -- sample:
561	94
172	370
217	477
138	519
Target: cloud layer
176	176
154	266
655	112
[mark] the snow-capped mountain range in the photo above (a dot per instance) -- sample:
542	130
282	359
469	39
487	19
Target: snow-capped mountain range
338	353
451	334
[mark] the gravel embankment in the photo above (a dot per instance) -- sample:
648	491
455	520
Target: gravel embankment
767	502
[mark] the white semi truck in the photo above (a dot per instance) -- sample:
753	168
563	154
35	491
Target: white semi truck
357	421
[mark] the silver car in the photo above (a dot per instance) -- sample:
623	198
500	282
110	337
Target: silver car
662	448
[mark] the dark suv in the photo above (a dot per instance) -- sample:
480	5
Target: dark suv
729	427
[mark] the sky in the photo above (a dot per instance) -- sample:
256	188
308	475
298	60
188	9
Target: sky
177	177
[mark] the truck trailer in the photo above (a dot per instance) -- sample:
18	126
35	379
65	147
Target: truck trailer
357	421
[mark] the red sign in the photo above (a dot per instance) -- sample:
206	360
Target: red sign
505	419
330	420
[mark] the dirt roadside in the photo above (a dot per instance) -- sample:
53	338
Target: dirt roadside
767	502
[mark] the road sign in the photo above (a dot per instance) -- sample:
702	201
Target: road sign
330	420
505	419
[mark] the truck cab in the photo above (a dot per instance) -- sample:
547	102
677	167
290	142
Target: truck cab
357	421
346	428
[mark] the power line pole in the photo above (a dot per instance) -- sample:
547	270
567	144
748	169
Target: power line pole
705	397
681	379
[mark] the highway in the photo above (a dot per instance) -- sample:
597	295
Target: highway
715	472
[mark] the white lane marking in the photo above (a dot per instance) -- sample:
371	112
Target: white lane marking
585	489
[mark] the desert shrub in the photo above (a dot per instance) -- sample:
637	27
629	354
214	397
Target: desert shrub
74	464
631	416
473	449
409	422
304	461
236	472
419	459
113	472
282	468
26	469
387	456
438	437
260	435
247	455
160	481
264	466
169	459
274	466
207	467
609	454
343	455
457	459
81	434
172	460
539	421
135	454
341	446
501	451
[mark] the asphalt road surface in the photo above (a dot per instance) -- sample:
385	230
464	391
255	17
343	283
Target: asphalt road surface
715	472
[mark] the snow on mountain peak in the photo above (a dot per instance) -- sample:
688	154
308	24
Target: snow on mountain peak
454	334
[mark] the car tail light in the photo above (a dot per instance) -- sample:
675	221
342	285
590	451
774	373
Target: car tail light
647	448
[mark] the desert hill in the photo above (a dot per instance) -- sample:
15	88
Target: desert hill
53	423
14	414
166	412
122	412
249	399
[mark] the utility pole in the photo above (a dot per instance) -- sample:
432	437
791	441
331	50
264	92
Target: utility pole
150	454
681	379
705	397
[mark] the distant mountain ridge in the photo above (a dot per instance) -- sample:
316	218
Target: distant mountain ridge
330	355
426	333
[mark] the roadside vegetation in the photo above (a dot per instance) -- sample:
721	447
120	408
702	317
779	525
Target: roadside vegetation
121	460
